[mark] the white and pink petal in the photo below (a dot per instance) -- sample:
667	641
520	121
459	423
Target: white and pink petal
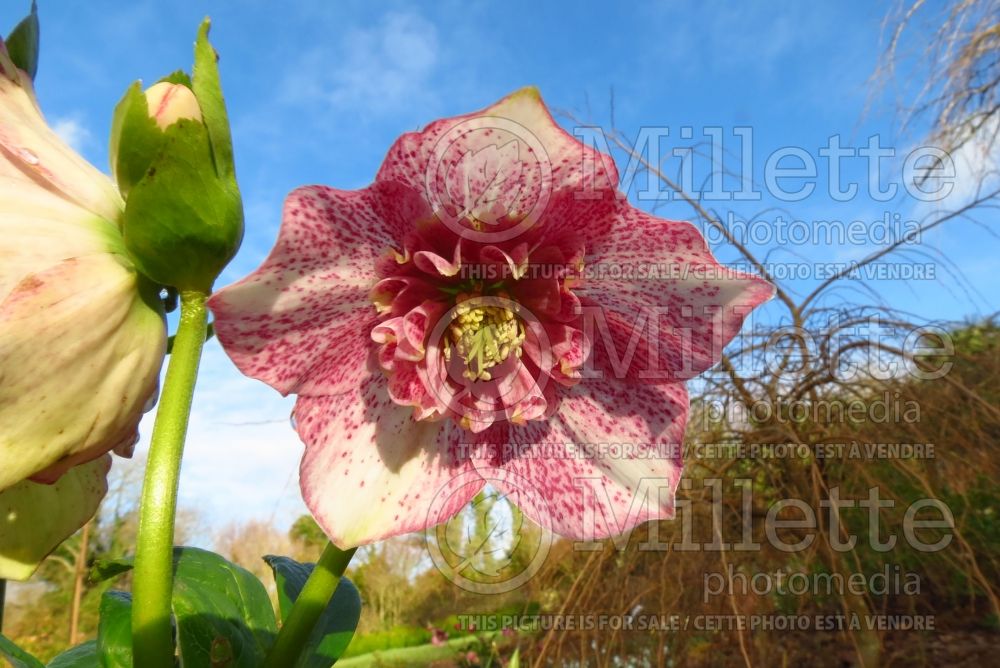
370	471
301	321
609	459
657	305
501	163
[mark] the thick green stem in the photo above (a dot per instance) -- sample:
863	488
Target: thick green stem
312	601
152	582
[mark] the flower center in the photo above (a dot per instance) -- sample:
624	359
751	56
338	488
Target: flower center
484	336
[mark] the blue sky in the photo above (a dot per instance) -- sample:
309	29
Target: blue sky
317	92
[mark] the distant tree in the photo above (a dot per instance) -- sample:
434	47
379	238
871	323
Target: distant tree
246	543
308	536
384	574
960	69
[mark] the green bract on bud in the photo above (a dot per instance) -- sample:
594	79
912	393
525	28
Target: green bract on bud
138	130
172	156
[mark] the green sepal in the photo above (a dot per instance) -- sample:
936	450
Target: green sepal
135	139
183	219
37	517
22	43
182	222
336	626
177	77
208	89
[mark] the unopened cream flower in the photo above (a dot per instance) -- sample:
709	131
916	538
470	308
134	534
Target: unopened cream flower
82	334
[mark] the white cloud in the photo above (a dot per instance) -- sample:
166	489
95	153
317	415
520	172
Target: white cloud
73	132
376	68
973	172
977	164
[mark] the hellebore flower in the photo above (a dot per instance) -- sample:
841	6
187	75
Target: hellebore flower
82	334
490	309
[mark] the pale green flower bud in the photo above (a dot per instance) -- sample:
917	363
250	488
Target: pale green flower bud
172	156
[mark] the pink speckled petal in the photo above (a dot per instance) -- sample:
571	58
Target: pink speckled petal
628	476
657	305
508	158
399	295
522	397
301	321
576	224
406	389
370	471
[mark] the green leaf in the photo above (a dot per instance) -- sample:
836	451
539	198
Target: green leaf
22	43
208	89
216	604
114	631
17	657
335	627
81	656
223	613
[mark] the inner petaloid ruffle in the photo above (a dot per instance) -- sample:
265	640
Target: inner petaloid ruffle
477	331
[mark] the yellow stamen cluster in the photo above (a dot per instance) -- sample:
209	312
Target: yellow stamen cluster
484	336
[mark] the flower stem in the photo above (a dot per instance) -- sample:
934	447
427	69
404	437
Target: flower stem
312	601
152	635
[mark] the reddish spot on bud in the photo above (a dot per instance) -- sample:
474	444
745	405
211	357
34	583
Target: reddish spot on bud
170	102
